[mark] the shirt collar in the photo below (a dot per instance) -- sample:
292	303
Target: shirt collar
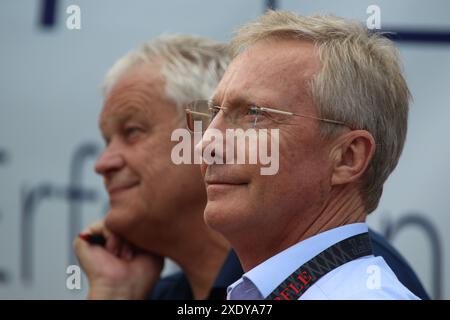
270	273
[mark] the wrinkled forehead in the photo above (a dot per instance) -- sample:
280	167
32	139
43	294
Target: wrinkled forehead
124	103
134	95
270	69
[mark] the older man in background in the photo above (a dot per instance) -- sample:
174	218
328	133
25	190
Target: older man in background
156	207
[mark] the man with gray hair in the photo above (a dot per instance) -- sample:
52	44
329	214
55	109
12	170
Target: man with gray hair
156	207
335	94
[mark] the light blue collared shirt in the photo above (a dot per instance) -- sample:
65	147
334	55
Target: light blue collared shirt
367	277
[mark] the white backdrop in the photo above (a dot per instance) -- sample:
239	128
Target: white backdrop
49	104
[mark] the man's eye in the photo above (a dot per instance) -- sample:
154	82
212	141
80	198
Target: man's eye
132	132
253	111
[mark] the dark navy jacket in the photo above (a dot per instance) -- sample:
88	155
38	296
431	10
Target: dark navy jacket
176	286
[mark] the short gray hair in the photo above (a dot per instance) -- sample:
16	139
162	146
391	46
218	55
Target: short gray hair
360	83
192	66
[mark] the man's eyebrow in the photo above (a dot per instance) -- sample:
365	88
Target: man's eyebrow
132	110
240	100
214	101
109	122
127	113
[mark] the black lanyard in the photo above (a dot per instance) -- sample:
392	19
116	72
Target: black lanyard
310	272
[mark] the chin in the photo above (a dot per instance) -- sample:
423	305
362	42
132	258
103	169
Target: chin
121	222
221	218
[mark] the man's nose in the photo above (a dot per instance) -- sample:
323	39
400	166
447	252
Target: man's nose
109	161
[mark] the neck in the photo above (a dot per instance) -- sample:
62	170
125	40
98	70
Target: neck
201	261
199	251
343	206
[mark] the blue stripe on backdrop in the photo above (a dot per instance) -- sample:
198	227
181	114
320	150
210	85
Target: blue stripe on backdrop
399	34
48	13
417	35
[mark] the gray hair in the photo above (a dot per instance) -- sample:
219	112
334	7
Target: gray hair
192	66
360	83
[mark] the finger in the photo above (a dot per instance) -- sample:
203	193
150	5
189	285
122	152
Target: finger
96	227
82	250
114	244
125	252
112	241
77	245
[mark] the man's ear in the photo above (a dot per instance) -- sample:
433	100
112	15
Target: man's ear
351	154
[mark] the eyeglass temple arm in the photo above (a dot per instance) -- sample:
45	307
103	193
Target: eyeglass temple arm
198	113
288	113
